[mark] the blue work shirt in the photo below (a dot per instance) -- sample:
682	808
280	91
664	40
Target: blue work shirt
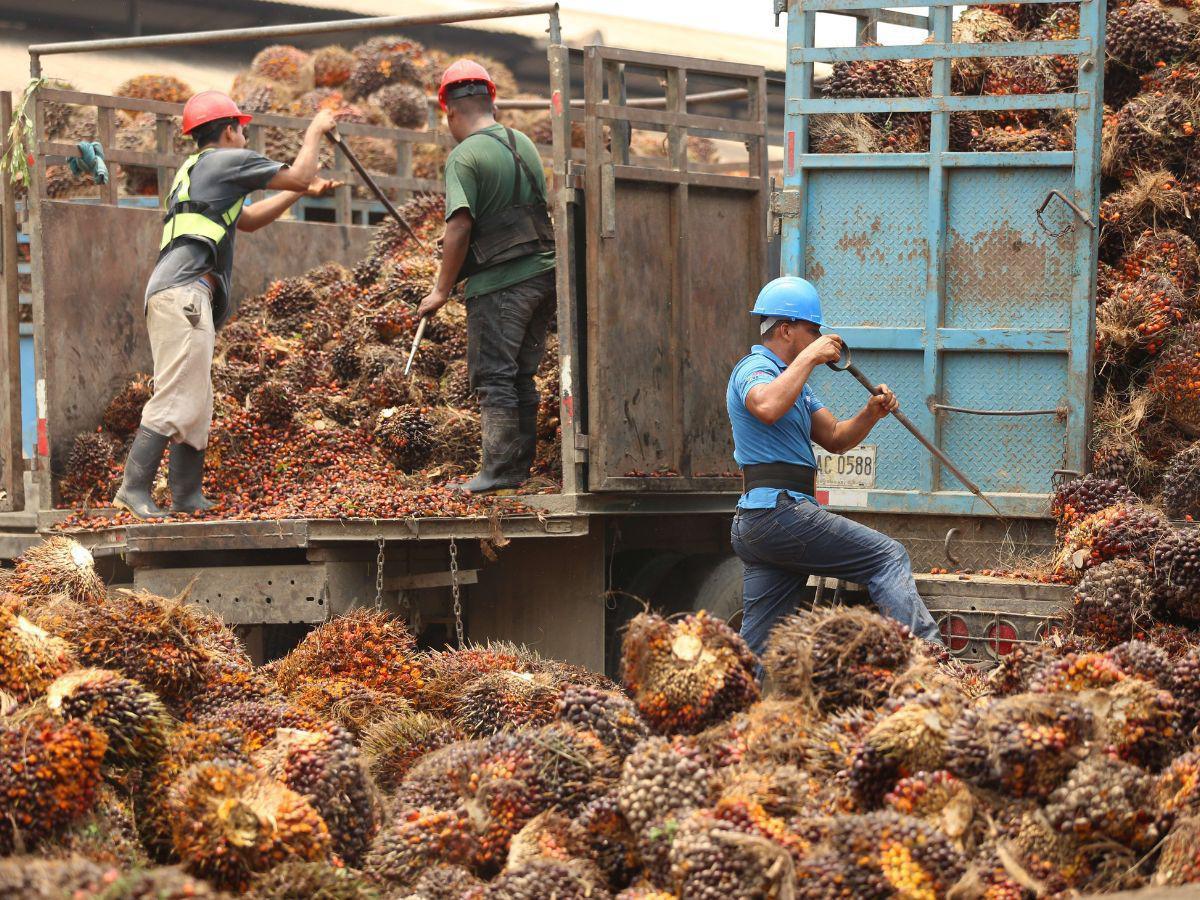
789	440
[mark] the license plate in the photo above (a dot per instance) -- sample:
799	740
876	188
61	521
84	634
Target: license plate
854	469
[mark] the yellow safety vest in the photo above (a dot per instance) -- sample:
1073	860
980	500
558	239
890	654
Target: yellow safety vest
186	217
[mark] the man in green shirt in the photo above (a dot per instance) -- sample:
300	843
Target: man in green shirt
498	236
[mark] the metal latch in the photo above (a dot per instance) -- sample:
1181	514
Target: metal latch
780	9
782	205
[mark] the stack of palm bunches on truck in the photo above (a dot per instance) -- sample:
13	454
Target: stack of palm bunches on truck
142	754
1147	384
314	416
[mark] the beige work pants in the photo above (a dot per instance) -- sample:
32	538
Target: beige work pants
180	323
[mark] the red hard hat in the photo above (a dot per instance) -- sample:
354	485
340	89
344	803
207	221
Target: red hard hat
464	70
208	106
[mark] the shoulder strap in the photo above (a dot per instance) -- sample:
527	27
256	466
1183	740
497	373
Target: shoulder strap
519	166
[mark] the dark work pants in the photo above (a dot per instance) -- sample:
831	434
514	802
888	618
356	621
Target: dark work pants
506	339
781	547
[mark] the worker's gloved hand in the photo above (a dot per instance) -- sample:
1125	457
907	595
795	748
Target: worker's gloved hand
433	301
321	187
883	403
825	349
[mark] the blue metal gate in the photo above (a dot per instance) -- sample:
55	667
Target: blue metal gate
945	274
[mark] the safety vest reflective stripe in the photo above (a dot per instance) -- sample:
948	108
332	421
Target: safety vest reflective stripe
195	224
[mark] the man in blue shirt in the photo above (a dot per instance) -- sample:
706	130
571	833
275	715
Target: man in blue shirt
780	532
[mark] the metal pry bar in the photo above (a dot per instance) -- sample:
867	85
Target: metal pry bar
340	143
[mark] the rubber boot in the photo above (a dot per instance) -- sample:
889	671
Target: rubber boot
186	476
501	451
140	468
527	417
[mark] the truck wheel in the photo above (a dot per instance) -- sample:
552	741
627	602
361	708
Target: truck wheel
720	593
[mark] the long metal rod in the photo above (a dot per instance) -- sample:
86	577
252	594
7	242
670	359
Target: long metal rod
916	432
640	102
1060	411
375	189
193	38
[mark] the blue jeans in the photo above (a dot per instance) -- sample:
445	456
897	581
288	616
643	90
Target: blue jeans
781	547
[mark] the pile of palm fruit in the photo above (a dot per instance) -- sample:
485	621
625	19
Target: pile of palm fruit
1147	383
314	416
142	754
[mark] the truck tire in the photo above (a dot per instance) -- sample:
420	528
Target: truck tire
720	593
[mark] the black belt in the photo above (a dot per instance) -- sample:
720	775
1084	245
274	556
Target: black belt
784	476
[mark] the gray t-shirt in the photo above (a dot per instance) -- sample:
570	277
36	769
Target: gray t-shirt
220	179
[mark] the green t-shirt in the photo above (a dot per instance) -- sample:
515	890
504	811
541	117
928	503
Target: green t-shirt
479	176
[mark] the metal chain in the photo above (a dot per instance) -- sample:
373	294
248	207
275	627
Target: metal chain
455	592
379	563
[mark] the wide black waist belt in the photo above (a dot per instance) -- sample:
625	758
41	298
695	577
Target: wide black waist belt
784	476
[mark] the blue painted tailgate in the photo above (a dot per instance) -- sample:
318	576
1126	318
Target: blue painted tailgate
935	269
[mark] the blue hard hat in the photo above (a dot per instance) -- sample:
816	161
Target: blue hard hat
789	297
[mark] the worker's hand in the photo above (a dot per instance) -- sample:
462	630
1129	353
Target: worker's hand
825	349
433	301
883	403
323	122
322	187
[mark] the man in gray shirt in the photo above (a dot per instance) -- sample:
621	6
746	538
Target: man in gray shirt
188	296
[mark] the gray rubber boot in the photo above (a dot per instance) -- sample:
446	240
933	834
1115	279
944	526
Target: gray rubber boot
501	452
140	468
186	476
527	417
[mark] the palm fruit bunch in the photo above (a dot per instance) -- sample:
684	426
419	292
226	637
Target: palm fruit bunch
49	772
1015	139
506	699
1075	672
1137	318
911	739
1057	859
1181	484
332	66
938	797
418	838
404	434
1079	498
1111	602
346	360
30	658
90	470
1155	130
1175	377
1140	35
326	769
1177	791
838	657
393	745
123	414
59	566
284	64
254	94
273	402
406	105
1123	530
354	706
259	721
544	878
296	880
447	671
132	718
977	26
1145	660
232	822
1140	723
886	854
1185	685
1177	570
878	78
771	732
610	715
1025	744
734	849
365	645
1105	798
29	878
286	298
382	61
1178	860
687	674
661	779
164	88
165	645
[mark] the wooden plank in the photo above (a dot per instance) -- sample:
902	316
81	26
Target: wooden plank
681	284
620	131
691	63
12	468
700	179
162	145
669	484
171	537
637	115
36	202
424	580
106	131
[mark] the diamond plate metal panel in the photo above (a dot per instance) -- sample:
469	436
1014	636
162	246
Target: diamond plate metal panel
1004	453
1002	269
867	252
901	460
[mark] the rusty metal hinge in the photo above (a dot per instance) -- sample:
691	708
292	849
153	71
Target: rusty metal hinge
782	205
581	441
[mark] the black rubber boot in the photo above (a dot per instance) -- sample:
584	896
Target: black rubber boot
140	468
502	447
186	476
527	418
